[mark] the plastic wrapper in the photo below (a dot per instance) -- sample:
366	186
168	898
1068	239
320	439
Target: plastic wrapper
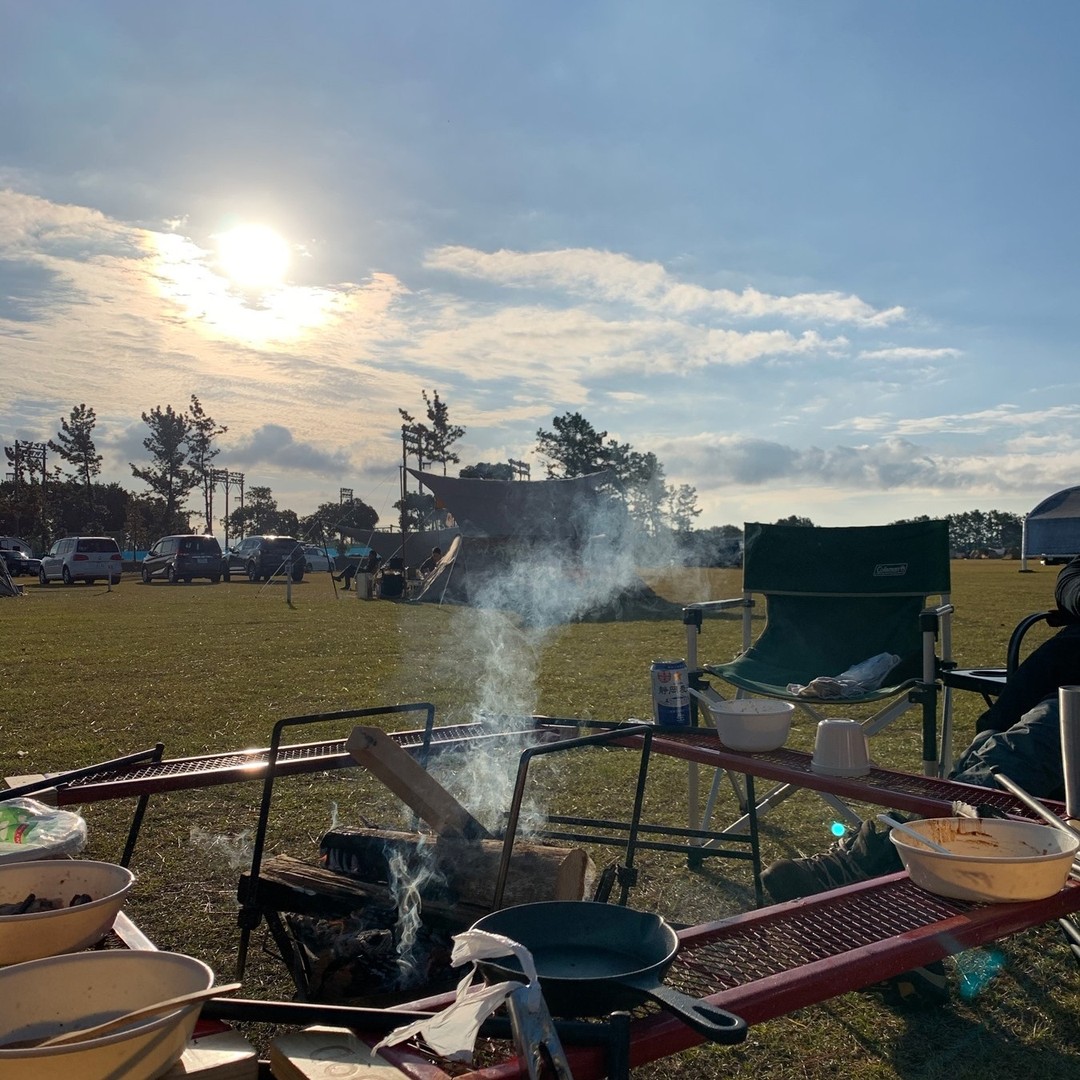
32	830
452	1033
858	679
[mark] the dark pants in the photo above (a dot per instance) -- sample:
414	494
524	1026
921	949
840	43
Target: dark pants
1021	732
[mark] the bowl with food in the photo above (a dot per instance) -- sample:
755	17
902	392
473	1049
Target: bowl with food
990	860
51	906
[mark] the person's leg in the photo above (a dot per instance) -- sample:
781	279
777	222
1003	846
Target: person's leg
1029	753
1056	662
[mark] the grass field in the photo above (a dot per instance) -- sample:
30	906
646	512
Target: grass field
88	673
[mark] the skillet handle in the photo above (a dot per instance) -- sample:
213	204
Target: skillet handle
714	1023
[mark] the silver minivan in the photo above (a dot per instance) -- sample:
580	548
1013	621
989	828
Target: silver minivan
81	558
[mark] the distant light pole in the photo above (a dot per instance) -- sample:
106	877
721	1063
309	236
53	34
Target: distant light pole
519	470
227	480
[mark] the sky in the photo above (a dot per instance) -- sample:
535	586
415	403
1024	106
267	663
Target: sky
819	258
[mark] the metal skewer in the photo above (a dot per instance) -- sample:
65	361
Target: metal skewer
914	834
1039	810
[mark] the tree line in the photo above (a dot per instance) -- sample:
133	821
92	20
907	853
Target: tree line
182	448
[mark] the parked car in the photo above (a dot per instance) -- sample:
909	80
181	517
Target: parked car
14	543
261	557
316	559
183	558
20	562
81	558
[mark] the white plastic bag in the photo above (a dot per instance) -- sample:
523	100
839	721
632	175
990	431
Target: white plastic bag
452	1033
32	830
859	679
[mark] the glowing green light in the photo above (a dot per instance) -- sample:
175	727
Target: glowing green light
838	828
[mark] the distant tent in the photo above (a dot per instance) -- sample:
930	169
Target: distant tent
7	586
1052	529
548	549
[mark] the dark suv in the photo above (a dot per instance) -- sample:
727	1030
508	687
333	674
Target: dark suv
182	558
261	557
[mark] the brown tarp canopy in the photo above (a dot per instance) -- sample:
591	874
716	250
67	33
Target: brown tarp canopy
538	510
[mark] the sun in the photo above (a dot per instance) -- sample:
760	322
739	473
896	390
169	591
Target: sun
254	256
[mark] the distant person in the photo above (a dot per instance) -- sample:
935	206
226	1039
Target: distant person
346	576
373	562
431	561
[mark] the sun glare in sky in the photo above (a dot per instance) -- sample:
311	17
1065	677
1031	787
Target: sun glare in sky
205	299
253	256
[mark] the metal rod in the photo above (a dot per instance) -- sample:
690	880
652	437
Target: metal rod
253	1011
1031	803
1069	713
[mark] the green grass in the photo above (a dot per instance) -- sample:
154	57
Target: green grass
90	673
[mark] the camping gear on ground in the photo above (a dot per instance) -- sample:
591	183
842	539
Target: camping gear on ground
840	749
32	830
989	860
754	725
670	693
75	923
594	958
44	997
391	585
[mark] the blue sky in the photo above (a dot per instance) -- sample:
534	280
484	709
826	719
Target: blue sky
818	257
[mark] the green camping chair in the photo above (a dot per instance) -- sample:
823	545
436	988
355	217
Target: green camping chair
835	597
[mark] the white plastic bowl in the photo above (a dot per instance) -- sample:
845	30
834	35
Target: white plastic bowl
47	933
990	859
46	997
752	723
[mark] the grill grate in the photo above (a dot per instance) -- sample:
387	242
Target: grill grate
149	777
746	952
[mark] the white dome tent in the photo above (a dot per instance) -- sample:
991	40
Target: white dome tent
1052	529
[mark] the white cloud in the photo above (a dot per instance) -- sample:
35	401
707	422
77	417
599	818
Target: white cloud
899	352
309	379
609	276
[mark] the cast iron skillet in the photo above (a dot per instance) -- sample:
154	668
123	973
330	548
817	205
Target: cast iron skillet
595	958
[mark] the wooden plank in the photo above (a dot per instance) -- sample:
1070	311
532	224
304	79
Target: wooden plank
412	783
327	1053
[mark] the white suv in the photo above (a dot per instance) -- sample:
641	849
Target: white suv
81	558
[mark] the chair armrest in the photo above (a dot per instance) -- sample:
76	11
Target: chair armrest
694	614
1052	618
719	605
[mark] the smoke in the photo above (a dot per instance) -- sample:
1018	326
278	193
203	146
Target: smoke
521	591
408	879
234	850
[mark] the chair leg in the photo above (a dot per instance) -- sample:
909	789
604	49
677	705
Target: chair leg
945	757
1072	935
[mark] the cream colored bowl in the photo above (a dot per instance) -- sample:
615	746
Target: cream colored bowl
990	860
47	933
46	997
752	724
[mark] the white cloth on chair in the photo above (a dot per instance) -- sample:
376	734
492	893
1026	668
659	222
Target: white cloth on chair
857	680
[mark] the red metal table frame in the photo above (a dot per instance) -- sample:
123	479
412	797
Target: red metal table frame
770	962
917	794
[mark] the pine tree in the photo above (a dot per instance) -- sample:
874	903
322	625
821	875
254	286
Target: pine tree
168	475
201	453
74	443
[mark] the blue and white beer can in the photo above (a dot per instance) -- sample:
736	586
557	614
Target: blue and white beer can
670	693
